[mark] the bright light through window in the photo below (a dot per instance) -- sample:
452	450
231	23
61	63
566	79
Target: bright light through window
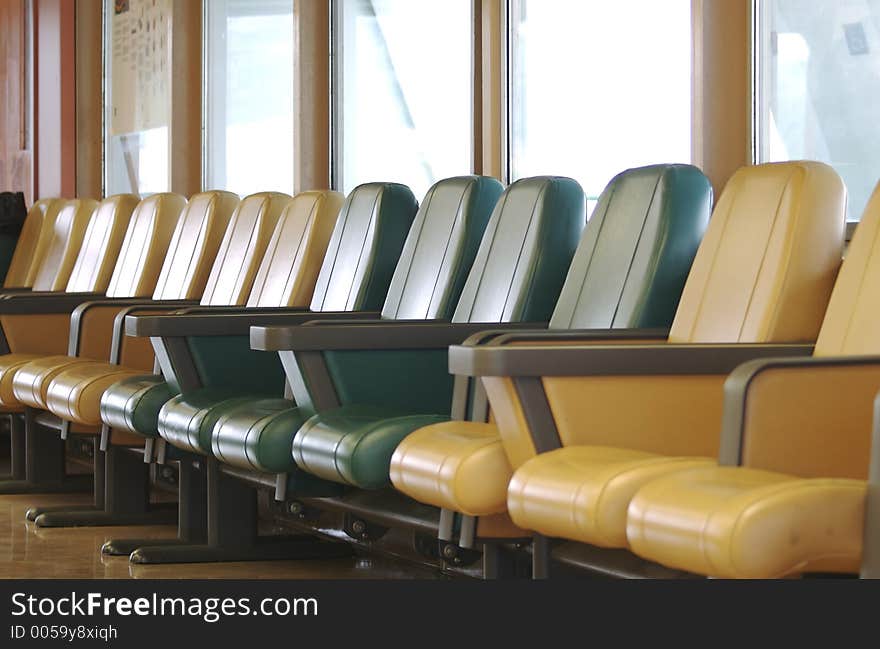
403	91
249	95
598	87
138	96
818	86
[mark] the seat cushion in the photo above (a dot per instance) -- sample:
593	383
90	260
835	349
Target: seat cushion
353	444
456	465
9	365
735	522
582	493
186	421
258	435
30	382
132	404
74	394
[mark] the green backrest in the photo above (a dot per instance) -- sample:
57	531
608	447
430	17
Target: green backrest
366	243
525	252
636	251
441	247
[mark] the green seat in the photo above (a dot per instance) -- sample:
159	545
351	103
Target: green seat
384	396
628	272
423	278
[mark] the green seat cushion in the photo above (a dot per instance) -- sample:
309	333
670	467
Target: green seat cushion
186	421
258	435
353	444
133	404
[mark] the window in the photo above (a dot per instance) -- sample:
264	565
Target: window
598	87
248	95
138	95
402	81
818	84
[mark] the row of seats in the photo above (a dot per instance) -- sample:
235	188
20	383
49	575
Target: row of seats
487	353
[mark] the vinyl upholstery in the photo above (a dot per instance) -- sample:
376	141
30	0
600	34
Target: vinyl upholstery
246	228
136	402
423	275
95	233
796	502
517	275
24	258
628	272
121	255
763	273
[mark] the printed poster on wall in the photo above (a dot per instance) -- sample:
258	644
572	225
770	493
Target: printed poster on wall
141	73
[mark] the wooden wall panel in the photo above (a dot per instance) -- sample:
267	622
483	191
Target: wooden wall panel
15	154
89	101
54	98
722	88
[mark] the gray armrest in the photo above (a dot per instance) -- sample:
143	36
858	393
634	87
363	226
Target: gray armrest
736	389
599	360
871	543
126	305
224	323
49	302
501	336
413	334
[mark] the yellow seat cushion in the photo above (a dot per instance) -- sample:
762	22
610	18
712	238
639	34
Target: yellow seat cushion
582	493
456	465
75	393
9	365
31	380
735	522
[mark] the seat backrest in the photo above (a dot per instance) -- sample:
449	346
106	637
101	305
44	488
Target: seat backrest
290	265
194	245
766	266
62	243
242	249
525	252
145	246
101	244
441	247
635	253
850	325
366	243
45	236
23	259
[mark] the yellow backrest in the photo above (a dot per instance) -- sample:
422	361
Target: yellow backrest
18	274
767	263
44	238
289	270
101	244
242	248
851	322
194	245
62	244
145	245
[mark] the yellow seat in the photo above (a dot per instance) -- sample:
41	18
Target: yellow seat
272	275
455	465
594	512
121	255
615	429
164	253
78	245
59	243
734	522
25	261
800	432
615	425
627	274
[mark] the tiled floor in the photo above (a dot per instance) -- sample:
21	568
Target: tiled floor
74	553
